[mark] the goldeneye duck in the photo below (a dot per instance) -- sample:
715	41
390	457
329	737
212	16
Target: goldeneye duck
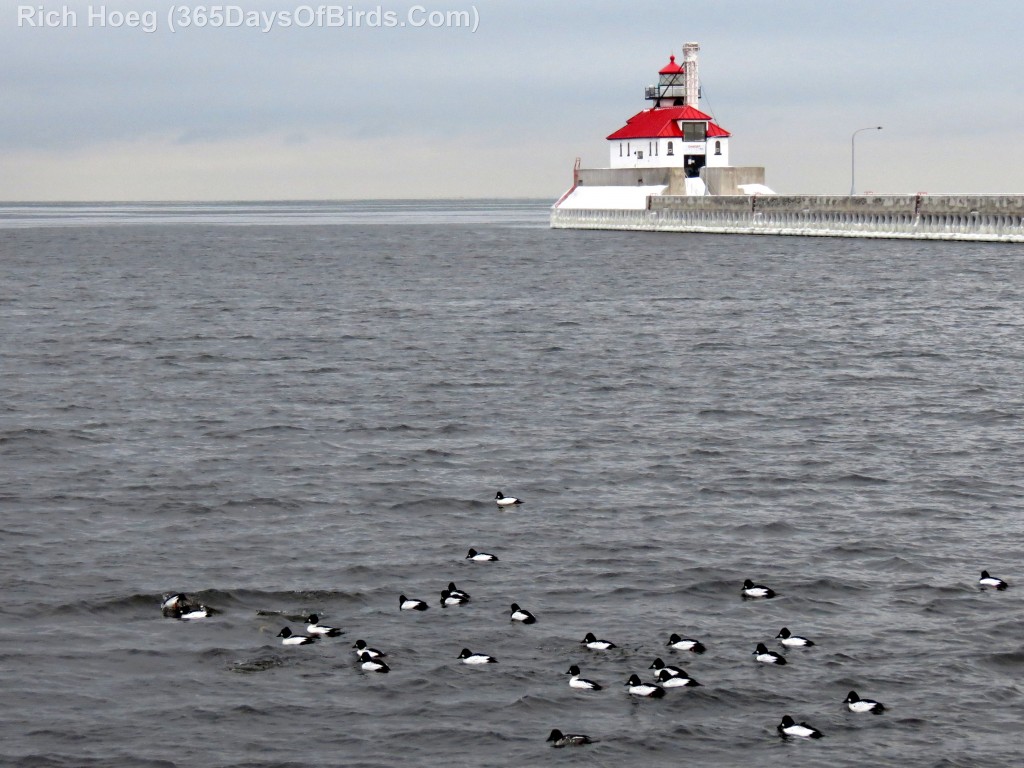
787	638
480	557
635	687
762	654
370	664
660	665
857	704
677	643
456	592
518	614
802	730
594	644
991	581
314	627
506	501
290	639
197	612
575	681
679	680
750	589
174	605
447	598
174	601
568	739
468	657
409	604
361	648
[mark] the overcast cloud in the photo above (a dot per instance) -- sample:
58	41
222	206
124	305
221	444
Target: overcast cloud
99	113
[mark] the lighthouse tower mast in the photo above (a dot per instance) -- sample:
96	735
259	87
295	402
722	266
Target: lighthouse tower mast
690	66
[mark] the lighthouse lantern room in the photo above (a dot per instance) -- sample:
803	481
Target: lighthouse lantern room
673	133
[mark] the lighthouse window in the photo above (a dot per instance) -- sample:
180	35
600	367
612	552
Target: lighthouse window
694	131
620	149
671	151
718	147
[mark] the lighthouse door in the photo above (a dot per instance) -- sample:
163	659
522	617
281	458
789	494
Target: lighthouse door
693	164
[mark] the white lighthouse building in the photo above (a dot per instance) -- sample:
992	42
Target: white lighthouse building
669	148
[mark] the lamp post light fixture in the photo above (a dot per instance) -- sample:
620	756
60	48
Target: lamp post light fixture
853	155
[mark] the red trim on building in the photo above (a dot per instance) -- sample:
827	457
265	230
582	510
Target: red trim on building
662	122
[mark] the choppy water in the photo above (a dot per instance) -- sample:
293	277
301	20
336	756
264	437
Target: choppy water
309	407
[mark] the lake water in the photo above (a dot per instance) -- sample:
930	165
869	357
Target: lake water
308	407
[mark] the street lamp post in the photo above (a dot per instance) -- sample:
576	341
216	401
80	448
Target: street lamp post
853	150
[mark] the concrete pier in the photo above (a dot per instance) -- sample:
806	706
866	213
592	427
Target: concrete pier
994	218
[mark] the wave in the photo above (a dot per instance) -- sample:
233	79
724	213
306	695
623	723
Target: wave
449	503
775	528
856	478
43	760
299	603
41	438
730	413
262	501
1006	660
714	346
900	354
272	429
257	664
397	428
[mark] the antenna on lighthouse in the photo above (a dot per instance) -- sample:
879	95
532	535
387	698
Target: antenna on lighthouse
692	81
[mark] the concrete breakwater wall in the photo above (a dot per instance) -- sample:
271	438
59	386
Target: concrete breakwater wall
719	181
996	218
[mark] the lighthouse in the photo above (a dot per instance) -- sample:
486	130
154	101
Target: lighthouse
673	133
669	172
669	148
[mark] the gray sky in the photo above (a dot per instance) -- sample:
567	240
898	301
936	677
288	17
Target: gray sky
94	112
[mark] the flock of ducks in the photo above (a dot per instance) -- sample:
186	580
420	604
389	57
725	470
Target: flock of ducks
181	606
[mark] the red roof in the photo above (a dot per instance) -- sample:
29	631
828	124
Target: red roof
671	68
662	122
